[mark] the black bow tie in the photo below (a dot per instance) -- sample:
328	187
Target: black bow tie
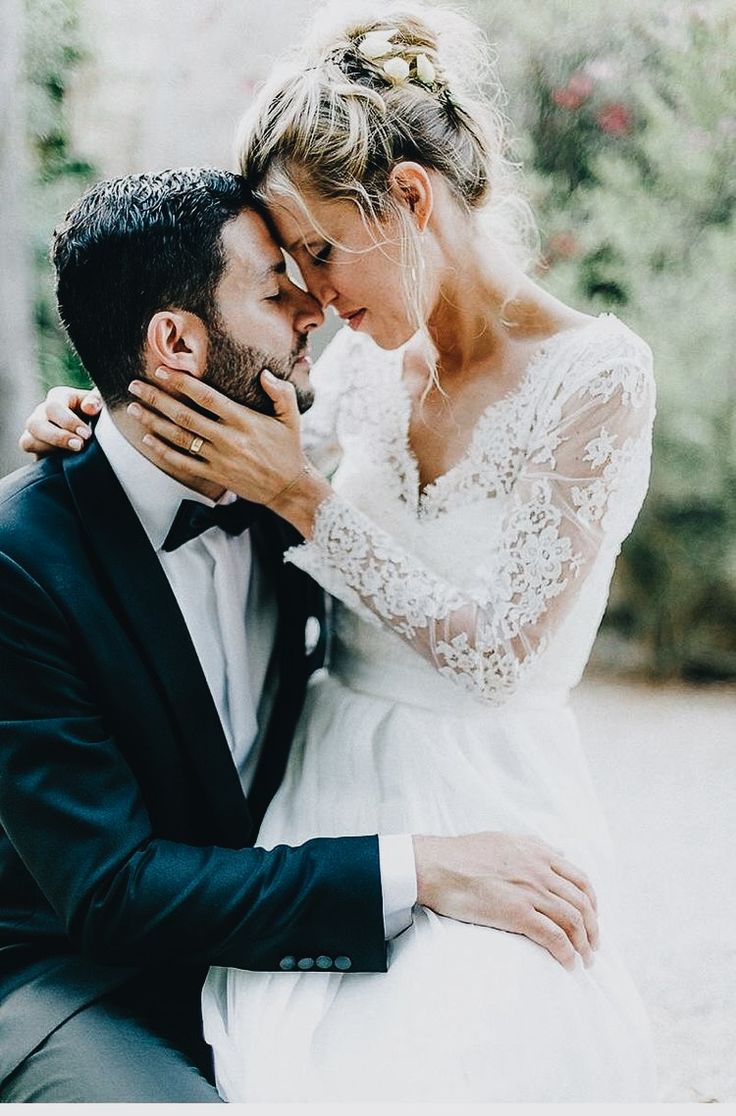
192	519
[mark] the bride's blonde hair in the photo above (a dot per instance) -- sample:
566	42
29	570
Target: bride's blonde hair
333	120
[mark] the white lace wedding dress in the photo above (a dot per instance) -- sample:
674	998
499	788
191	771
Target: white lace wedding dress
464	616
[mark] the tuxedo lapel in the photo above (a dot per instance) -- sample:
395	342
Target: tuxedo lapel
262	623
297	597
132	573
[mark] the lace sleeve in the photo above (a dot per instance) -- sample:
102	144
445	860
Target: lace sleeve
579	489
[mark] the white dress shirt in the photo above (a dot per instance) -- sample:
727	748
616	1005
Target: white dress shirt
231	619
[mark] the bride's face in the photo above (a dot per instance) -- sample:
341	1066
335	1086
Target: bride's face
357	271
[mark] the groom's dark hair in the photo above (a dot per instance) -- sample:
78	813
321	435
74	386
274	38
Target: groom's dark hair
133	246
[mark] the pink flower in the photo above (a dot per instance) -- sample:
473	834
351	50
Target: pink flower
563	245
581	84
614	119
571	96
565	99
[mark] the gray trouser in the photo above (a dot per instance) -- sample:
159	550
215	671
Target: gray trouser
134	1045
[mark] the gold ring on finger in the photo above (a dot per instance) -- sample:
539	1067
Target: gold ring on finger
196	445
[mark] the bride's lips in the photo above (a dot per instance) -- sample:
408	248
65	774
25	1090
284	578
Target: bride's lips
355	318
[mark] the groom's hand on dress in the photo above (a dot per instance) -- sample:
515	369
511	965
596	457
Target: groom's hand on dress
513	883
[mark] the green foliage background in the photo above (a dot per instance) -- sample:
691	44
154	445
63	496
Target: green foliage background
53	48
625	122
625	119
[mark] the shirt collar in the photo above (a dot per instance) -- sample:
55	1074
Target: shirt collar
154	495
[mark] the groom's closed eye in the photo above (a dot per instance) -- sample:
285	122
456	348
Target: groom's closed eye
275	270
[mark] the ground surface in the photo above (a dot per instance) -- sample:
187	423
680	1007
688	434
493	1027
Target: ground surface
664	763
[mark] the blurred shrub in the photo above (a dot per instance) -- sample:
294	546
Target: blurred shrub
627	130
53	49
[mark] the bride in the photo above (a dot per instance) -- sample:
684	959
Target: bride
489	450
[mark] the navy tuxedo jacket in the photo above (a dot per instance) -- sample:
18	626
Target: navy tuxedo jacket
125	837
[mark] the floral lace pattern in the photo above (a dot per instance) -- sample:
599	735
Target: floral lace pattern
566	454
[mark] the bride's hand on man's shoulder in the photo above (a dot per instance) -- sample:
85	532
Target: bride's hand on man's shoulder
57	423
511	882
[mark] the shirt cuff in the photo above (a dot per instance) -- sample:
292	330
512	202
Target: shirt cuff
398	881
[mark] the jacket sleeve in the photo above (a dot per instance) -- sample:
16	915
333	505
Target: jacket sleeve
75	815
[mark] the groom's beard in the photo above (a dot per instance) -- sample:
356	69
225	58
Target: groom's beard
235	370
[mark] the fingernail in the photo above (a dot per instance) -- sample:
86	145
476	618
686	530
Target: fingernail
161	374
135	410
269	375
134	388
147	440
75	443
83	432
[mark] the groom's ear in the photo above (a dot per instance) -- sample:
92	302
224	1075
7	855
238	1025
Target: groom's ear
178	339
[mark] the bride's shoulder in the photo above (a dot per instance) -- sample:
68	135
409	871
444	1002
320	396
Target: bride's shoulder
603	356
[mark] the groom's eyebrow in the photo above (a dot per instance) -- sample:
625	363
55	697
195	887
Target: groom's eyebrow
278	268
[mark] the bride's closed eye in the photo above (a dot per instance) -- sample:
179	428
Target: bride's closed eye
320	258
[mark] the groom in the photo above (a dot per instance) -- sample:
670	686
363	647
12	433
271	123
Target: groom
154	653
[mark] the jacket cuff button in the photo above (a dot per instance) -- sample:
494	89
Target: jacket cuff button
287	964
343	964
306	963
324	962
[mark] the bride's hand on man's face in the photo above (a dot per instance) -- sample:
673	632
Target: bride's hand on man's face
58	422
258	457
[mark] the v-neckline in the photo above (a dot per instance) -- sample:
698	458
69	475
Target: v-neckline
422	494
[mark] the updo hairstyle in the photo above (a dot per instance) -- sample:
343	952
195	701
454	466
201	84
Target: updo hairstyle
360	95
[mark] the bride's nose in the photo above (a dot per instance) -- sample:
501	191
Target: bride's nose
309	314
323	291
